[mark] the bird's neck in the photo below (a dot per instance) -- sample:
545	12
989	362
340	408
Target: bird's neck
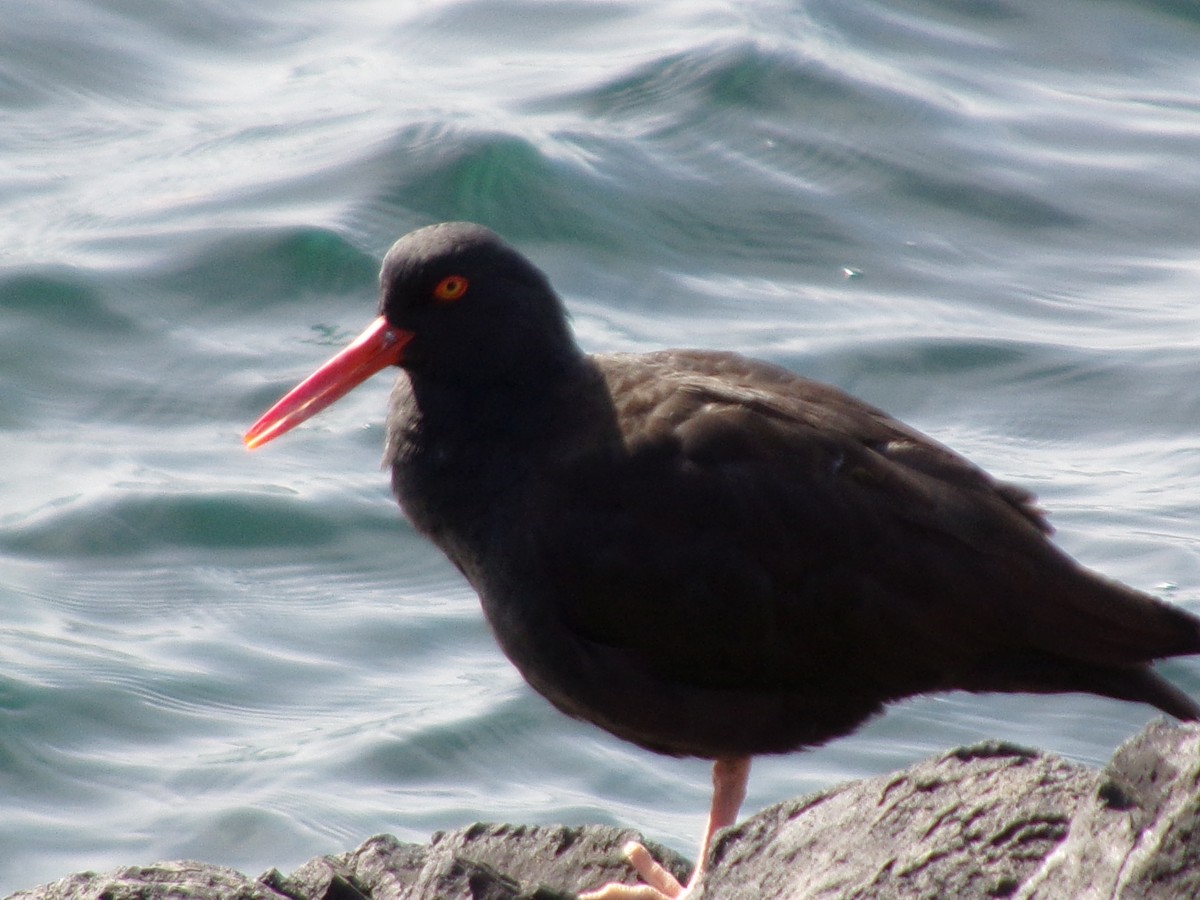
517	406
462	453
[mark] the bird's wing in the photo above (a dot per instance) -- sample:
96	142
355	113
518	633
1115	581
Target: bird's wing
759	530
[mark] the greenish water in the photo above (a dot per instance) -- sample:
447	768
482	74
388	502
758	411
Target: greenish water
982	217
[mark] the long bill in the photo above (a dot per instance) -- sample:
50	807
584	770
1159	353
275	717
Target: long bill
379	346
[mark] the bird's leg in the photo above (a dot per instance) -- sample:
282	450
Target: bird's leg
730	775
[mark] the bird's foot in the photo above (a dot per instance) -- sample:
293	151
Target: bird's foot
659	884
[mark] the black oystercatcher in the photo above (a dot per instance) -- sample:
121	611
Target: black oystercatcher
704	554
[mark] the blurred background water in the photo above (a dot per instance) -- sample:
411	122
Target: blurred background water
983	217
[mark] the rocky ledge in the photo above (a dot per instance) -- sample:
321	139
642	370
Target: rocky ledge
990	820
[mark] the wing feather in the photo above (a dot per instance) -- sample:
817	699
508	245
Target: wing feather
788	536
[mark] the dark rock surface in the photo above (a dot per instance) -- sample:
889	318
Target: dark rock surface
986	821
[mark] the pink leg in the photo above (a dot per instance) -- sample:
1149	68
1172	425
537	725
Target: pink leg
729	777
729	790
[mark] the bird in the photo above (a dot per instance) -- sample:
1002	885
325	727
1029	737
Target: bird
705	554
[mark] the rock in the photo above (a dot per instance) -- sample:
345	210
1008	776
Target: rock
986	821
479	862
174	880
973	823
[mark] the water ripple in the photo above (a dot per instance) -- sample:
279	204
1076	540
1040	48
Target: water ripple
980	216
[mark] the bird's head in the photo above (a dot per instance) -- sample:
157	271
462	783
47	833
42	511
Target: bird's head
456	304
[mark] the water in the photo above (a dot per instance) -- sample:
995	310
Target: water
982	217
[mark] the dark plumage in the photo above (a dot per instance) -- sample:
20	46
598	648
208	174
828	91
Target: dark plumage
708	555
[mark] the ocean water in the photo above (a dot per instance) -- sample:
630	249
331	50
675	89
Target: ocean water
982	216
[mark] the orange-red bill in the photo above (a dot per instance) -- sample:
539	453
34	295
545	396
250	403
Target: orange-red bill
379	346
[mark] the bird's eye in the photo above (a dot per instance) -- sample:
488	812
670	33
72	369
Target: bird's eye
450	288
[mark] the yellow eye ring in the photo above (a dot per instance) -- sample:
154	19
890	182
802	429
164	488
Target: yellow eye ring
450	288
